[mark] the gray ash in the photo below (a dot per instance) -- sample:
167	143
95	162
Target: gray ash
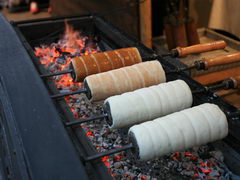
197	163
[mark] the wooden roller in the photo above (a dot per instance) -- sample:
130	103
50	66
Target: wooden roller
199	48
118	81
147	103
101	62
102	85
179	131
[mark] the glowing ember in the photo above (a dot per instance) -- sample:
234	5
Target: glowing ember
105	160
89	133
107	163
57	57
118	157
176	156
206	171
113	175
72	39
196	175
194	158
192	164
188	154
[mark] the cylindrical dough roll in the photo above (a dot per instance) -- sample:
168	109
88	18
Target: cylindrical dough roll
118	81
179	131
104	61
148	103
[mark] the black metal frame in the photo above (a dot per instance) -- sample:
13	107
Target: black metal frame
17	166
96	170
45	146
115	38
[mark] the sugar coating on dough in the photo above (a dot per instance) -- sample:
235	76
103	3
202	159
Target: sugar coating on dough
179	131
149	103
118	81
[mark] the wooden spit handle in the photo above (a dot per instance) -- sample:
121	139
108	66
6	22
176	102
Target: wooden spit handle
199	48
221	60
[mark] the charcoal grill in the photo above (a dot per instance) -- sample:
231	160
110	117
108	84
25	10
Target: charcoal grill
35	144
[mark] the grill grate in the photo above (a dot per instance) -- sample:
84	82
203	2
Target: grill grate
35	32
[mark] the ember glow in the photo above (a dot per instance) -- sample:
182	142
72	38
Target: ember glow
89	133
57	57
200	168
105	160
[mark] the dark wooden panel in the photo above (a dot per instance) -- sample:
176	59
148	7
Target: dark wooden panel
123	13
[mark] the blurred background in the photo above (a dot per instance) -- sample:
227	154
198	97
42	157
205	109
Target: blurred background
126	14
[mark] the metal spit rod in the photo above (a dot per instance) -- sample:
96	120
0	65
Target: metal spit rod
131	146
178	70
226	84
57	73
233	114
71	70
177	52
202	64
198	65
61	95
112	151
83	120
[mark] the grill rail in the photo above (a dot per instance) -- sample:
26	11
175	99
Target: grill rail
48	116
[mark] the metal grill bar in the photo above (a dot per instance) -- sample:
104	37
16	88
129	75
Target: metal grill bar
226	84
57	73
113	151
178	70
83	120
234	114
61	95
217	87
